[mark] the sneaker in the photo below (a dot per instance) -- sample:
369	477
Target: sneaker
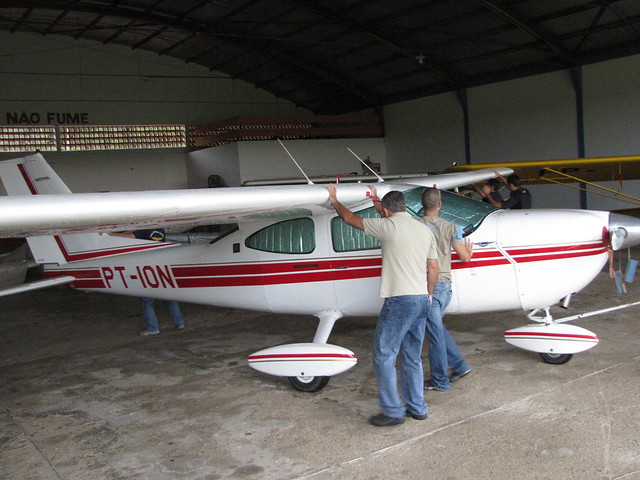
381	420
458	376
416	416
430	385
180	327
146	333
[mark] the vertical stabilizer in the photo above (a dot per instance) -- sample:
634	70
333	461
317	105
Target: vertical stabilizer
32	175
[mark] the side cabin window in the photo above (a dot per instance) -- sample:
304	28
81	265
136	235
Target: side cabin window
295	236
349	239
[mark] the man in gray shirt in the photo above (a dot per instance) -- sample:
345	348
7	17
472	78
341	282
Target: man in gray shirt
443	350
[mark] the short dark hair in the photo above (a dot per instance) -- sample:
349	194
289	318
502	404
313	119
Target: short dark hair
514	180
494	183
430	198
394	201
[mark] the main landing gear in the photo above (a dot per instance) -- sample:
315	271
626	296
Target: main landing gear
309	384
312	384
308	366
556	358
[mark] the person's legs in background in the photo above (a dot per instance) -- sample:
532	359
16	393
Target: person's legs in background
150	319
176	314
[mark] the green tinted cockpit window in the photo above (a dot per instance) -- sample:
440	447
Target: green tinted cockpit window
291	237
457	209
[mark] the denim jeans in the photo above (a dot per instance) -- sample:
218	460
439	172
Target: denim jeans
443	350
150	318
400	331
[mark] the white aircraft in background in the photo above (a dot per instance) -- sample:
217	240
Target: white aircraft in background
287	252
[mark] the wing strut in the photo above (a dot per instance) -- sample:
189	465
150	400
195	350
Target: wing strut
380	179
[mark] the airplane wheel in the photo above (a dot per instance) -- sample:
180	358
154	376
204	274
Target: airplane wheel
556	358
309	384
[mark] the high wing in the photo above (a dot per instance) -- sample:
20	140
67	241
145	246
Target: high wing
38	202
592	169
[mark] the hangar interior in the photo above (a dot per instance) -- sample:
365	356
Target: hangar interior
449	82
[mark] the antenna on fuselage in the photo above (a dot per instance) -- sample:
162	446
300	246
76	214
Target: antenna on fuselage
294	161
380	179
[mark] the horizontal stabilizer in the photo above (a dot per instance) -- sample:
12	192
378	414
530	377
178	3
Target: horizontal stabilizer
37	285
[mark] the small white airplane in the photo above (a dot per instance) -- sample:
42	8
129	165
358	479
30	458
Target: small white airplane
286	251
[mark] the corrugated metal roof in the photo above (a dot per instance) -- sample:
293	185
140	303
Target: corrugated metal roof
340	56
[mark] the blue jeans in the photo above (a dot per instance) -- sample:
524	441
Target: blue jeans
400	331
443	350
150	318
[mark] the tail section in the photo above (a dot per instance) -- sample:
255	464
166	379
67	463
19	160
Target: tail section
32	175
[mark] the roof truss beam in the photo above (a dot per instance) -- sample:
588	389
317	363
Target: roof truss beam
531	28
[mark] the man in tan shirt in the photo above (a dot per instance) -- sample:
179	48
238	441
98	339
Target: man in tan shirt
409	274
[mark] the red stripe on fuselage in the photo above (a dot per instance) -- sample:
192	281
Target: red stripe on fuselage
85	278
326	269
558	249
281	279
88	273
553	256
107	252
529	254
180	271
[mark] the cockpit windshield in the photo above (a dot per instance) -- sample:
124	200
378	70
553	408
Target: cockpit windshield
463	211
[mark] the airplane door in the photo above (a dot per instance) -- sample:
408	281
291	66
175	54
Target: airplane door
289	266
356	265
489	281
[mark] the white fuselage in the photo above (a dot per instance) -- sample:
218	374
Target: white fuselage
523	259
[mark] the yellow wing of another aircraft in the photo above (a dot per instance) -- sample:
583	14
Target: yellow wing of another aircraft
595	169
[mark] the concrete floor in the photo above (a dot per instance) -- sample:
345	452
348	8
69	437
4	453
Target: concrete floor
83	397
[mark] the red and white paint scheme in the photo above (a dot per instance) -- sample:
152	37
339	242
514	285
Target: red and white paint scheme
288	252
553	338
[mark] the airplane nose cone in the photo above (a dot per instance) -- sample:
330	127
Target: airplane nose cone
624	231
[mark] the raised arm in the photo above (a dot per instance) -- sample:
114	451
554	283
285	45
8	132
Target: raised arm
376	201
343	212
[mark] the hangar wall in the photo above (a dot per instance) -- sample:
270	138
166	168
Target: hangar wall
426	134
507	121
111	84
266	160
221	161
525	119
